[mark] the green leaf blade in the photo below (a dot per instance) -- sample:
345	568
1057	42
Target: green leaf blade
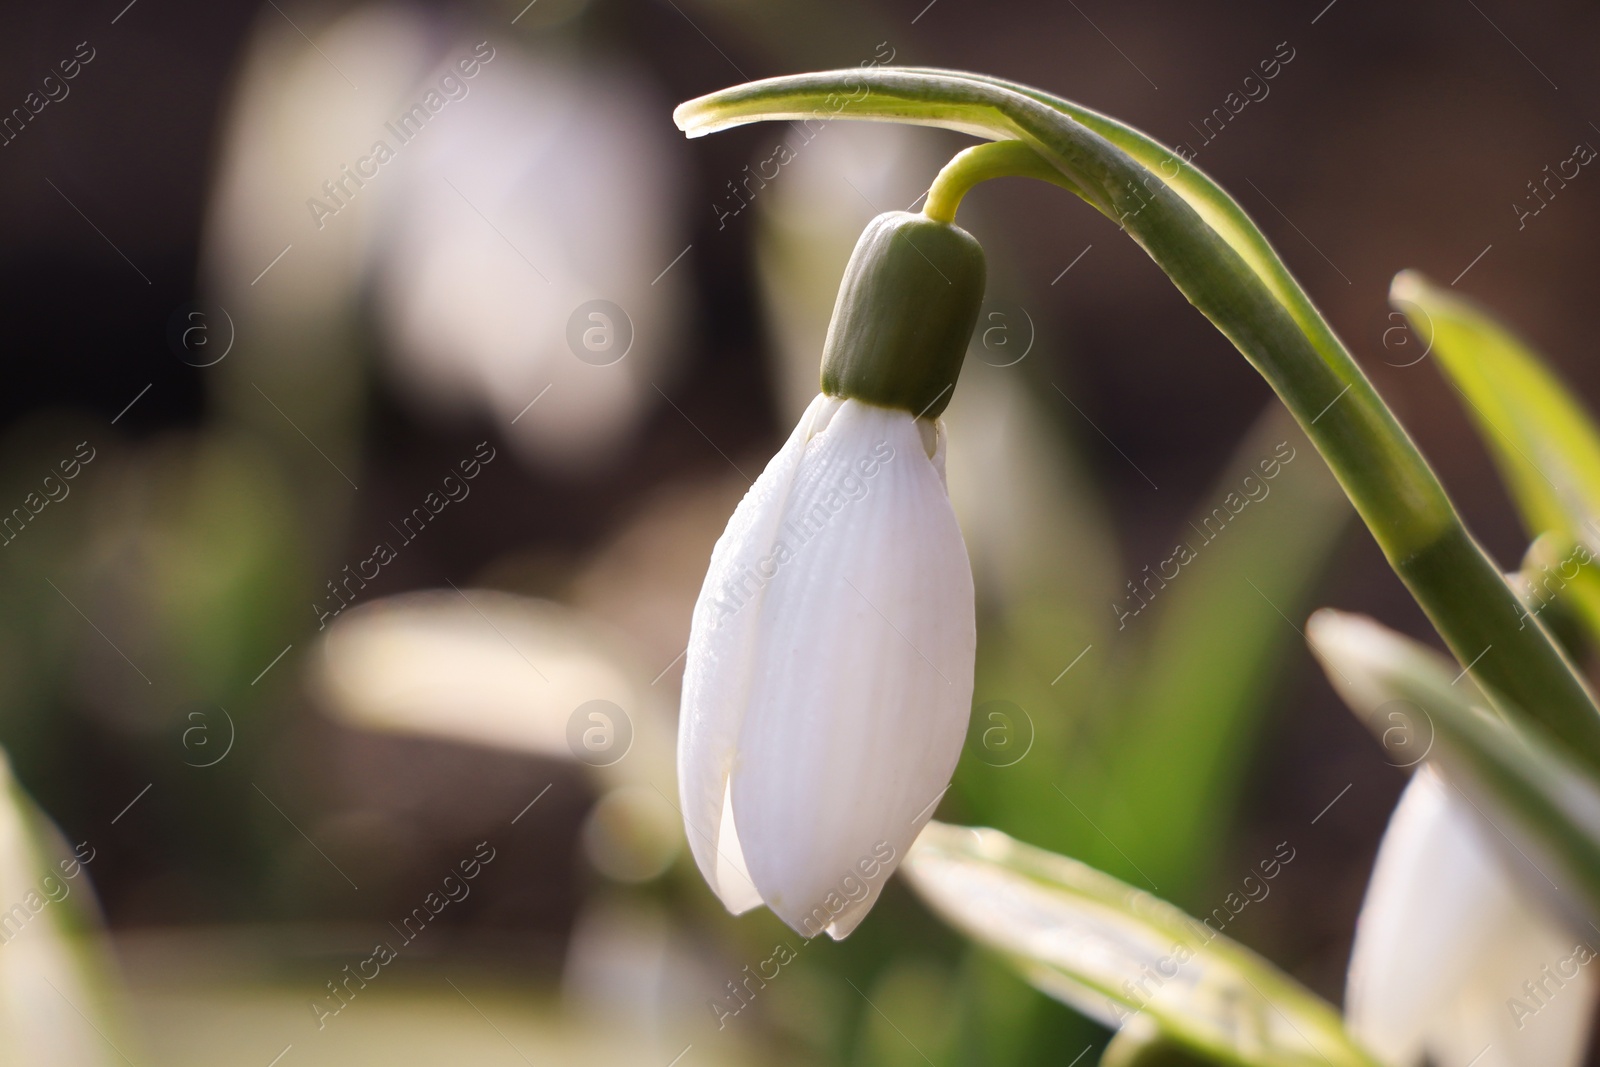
1118	953
1546	445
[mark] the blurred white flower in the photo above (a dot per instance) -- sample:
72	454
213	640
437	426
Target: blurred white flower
491	668
56	988
544	198
830	669
1453	959
630	969
300	110
484	194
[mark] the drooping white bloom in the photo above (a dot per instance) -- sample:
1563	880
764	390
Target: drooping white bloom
1453	959
829	672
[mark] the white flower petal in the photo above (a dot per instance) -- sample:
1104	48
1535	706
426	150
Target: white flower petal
733	885
1446	941
859	700
719	664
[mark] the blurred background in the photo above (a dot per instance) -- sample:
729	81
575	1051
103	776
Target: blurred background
379	375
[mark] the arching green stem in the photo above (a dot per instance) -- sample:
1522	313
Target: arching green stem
980	163
1227	269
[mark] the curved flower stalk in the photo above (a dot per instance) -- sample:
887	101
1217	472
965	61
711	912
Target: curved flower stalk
1227	269
829	671
1453	959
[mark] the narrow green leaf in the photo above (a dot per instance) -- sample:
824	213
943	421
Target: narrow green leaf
1120	954
1543	803
1546	445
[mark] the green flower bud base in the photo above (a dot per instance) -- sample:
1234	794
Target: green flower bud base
905	315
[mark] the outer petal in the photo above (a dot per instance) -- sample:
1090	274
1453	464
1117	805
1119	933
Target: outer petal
1446	941
863	682
719	664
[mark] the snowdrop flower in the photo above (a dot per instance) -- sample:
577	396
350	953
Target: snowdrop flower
829	672
1453	960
